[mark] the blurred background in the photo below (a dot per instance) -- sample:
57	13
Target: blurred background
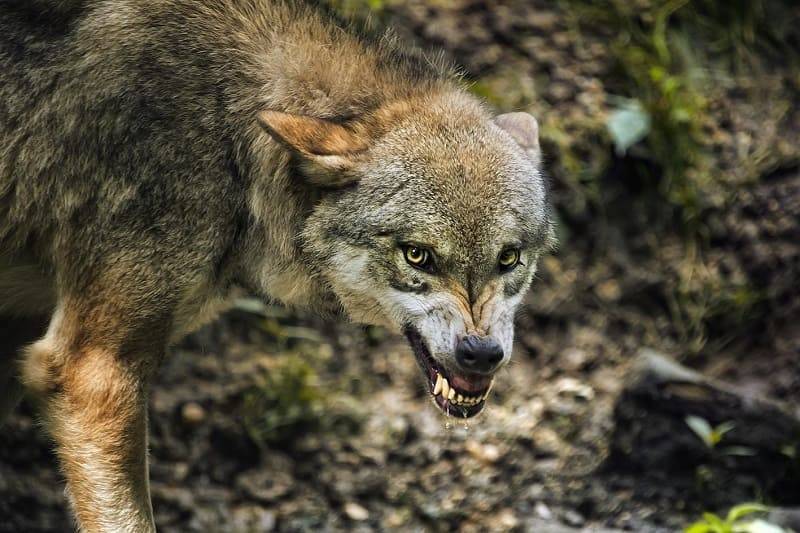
657	371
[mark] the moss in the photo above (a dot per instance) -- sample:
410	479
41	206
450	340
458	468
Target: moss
287	403
359	9
289	400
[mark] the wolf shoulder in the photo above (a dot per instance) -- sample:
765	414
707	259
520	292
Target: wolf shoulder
104	139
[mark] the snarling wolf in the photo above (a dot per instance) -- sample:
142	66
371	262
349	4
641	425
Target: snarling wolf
155	155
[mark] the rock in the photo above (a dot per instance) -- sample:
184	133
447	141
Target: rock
652	434
574	518
263	484
785	517
506	520
355	511
193	413
542	511
488	453
252	518
573	359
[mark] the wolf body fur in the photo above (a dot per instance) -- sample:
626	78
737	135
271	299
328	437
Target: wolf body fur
156	155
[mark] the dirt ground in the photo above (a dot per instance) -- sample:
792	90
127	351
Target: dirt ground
371	453
528	461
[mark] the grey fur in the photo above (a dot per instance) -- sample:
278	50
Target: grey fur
151	162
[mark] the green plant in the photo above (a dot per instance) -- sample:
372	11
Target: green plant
357	8
673	63
713	436
285	404
289	401
738	520
710	436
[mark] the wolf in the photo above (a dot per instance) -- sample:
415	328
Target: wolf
158	155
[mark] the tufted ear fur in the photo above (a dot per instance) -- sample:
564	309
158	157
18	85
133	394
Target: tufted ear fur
523	128
329	150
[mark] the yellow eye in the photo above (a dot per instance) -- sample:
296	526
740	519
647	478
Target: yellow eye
417	256
508	259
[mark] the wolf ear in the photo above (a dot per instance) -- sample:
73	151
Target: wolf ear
524	129
328	149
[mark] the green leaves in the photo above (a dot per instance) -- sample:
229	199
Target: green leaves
734	521
744	509
710	436
288	403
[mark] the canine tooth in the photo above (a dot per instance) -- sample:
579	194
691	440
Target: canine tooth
438	387
488	390
445	388
451	395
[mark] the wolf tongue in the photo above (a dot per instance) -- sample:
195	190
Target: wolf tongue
476	384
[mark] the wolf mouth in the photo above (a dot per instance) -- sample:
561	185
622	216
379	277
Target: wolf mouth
455	395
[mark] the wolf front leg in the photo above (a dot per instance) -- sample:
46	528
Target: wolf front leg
91	382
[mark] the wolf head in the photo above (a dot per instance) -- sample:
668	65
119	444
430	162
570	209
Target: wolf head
433	224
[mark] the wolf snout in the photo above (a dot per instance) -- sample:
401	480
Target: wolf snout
478	355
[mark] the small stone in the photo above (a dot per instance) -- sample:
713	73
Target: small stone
542	511
507	520
574	358
193	413
355	512
488	453
397	518
608	290
263	484
573	518
253	518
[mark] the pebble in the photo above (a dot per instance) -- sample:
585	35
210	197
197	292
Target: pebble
542	511
355	511
507	520
488	453
574	518
193	413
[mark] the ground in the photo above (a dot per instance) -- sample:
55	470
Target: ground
686	242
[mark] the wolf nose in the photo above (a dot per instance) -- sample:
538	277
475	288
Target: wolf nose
477	354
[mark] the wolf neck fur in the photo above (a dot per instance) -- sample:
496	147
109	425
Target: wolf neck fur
306	65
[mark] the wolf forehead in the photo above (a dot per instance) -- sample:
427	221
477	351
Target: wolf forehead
463	187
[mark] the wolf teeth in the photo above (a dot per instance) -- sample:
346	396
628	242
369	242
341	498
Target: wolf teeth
441	386
438	387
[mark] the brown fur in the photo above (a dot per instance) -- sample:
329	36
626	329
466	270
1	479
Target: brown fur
156	155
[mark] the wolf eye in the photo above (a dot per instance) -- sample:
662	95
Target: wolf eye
508	259
417	256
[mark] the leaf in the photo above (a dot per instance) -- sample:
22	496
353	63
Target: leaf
698	527
628	125
702	429
744	509
716	523
718	432
724	428
741	451
789	450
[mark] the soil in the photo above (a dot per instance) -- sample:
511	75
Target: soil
378	455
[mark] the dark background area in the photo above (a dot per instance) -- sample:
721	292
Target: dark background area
671	134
